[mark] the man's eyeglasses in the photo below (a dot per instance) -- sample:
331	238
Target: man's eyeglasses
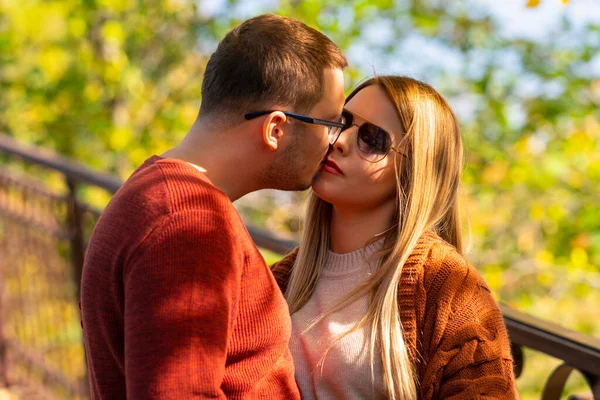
373	143
335	128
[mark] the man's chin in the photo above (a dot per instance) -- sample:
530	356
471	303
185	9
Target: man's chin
306	183
300	183
297	186
304	186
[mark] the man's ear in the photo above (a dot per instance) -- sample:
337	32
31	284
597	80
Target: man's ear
273	129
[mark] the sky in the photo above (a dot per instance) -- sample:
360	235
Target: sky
518	20
515	19
536	23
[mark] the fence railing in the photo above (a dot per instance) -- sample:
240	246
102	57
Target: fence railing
43	234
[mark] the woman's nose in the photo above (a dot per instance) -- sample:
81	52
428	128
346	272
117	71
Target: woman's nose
342	145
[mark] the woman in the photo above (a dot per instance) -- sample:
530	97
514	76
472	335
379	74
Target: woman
383	303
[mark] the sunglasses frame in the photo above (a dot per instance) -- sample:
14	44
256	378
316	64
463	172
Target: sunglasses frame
349	123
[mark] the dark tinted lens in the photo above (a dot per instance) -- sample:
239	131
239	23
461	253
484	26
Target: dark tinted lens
348	119
372	140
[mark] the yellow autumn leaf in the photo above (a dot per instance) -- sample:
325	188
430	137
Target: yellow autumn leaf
518	174
93	91
77	27
494	277
533	3
537	212
117	5
119	138
54	62
544	259
174	5
579	257
113	31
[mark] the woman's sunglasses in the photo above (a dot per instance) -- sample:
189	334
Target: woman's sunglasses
374	143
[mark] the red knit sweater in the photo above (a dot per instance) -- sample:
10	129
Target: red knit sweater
176	300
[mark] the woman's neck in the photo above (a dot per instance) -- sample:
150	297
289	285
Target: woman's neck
352	229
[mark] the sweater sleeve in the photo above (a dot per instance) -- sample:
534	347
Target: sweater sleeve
470	355
181	291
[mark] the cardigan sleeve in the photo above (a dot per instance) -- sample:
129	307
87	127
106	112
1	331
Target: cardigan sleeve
469	350
282	269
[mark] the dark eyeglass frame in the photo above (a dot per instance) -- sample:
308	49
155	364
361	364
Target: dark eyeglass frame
349	122
333	135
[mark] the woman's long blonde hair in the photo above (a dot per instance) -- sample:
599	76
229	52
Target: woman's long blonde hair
428	185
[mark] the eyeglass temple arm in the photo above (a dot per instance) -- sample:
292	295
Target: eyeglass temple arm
299	117
399	152
256	114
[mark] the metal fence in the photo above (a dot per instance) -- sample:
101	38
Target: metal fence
44	227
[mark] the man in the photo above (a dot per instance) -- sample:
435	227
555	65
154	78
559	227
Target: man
177	302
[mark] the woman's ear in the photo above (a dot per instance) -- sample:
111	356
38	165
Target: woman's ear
273	129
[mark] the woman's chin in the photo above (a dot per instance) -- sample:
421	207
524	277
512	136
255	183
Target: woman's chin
325	191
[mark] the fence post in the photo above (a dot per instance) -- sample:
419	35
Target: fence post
77	243
75	222
3	360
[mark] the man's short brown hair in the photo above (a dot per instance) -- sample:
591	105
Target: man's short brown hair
268	60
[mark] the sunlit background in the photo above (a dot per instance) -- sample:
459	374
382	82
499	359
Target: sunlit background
110	82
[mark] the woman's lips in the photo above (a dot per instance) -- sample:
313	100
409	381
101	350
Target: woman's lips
332	168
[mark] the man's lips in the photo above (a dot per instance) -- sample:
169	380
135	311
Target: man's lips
332	168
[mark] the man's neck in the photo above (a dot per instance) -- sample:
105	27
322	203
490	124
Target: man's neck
225	163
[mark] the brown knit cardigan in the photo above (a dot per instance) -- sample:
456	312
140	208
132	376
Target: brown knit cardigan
453	328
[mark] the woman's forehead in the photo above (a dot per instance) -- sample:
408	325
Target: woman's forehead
373	104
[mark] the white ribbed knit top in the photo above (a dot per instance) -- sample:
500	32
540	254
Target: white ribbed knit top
345	372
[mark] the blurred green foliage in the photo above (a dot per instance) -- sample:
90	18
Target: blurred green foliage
109	82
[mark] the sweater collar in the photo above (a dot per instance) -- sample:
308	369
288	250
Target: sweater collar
337	264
